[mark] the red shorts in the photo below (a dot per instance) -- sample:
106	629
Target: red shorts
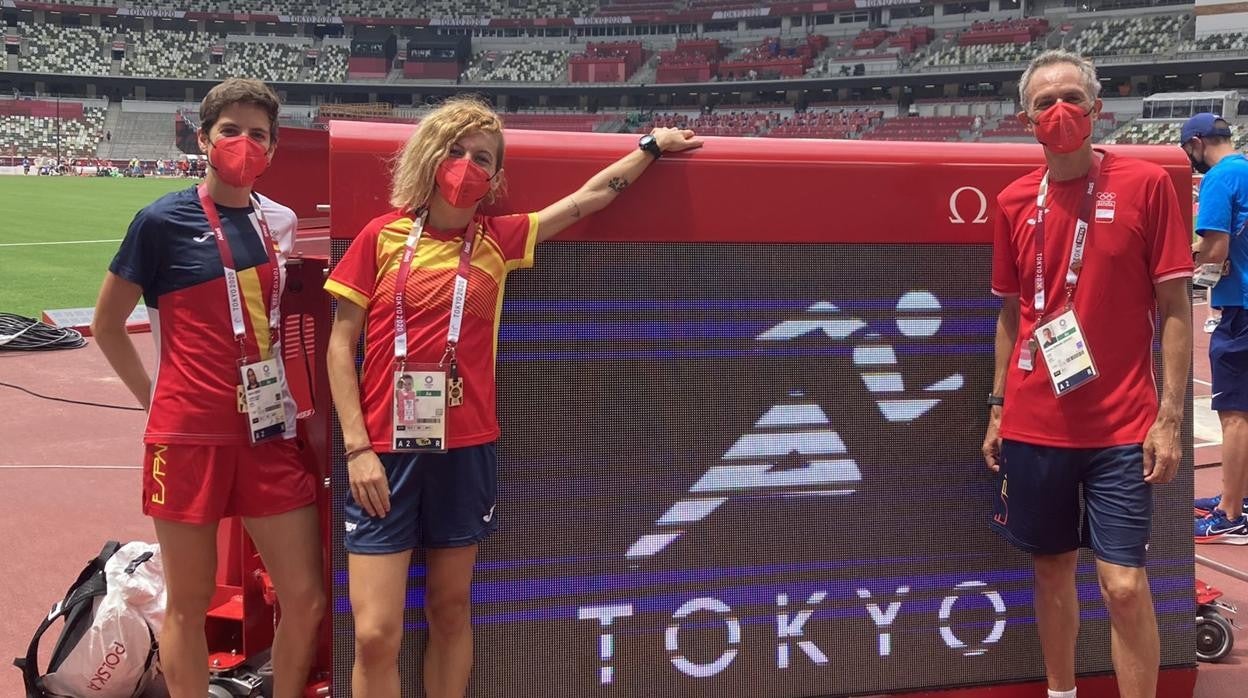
204	484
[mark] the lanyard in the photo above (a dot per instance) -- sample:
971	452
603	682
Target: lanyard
231	275
1077	245
457	301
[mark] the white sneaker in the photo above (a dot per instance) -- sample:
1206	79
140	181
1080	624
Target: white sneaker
1210	325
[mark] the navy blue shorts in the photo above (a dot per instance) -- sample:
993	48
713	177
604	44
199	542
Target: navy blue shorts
1228	359
1037	506
437	500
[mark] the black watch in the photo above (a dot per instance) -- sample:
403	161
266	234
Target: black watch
650	144
996	401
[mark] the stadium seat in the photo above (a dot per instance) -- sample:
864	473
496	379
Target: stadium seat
171	54
278	62
1133	36
38	135
52	48
331	64
1226	41
520	66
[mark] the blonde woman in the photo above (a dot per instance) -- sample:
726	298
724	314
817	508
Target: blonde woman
427	279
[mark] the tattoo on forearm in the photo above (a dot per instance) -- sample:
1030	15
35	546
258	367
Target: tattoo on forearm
618	184
576	208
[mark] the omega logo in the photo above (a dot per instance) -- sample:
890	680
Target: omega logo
956	216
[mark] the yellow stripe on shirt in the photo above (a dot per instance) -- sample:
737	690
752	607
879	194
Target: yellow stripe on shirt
257	308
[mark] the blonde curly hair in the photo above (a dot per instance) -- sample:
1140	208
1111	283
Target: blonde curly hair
417	164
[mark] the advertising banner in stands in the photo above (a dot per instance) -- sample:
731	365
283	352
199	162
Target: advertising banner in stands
742	14
602	20
865	4
459	21
59	7
150	12
311	19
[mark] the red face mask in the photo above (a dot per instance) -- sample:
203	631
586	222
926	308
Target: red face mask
238	160
462	182
1063	127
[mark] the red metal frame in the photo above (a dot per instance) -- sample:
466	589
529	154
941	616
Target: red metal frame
242	614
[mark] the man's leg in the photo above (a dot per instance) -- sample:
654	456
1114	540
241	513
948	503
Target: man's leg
1136	645
1119	510
1057	616
448	656
1234	461
189	556
290	546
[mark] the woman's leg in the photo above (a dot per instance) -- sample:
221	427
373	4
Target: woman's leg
448	656
290	546
378	595
189	556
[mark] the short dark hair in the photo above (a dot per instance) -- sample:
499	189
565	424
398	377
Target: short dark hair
1214	139
239	91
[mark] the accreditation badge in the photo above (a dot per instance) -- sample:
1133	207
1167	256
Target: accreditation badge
263	399
419	408
1066	353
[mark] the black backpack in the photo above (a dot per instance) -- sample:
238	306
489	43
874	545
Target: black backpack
78	610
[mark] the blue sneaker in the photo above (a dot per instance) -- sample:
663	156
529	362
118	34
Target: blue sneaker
1216	528
1206	505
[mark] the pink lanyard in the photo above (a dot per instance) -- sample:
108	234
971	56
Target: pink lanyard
231	274
457	302
1077	245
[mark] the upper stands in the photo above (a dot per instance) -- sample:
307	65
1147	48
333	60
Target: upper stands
171	54
1009	31
1227	41
1134	36
981	54
519	66
51	48
921	128
779	123
30	128
331	64
269	61
555	122
1167	133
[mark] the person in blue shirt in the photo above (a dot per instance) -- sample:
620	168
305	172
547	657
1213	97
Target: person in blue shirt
1223	246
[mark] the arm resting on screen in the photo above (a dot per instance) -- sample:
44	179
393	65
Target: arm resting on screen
1213	247
603	187
1007	336
117	299
1161	446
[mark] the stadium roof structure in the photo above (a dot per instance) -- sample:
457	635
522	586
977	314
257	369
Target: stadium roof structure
1169	96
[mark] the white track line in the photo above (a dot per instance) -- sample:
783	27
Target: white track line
61	242
71	467
1208	444
1205	383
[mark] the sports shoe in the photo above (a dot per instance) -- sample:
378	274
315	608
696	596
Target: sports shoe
1216	528
1211	324
1205	506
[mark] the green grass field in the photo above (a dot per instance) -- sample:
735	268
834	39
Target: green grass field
37	277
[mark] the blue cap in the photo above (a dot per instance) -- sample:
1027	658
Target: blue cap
1203	126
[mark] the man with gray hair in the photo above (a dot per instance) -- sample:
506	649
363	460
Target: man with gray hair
1086	248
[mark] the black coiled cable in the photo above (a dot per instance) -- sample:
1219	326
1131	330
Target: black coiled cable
18	333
